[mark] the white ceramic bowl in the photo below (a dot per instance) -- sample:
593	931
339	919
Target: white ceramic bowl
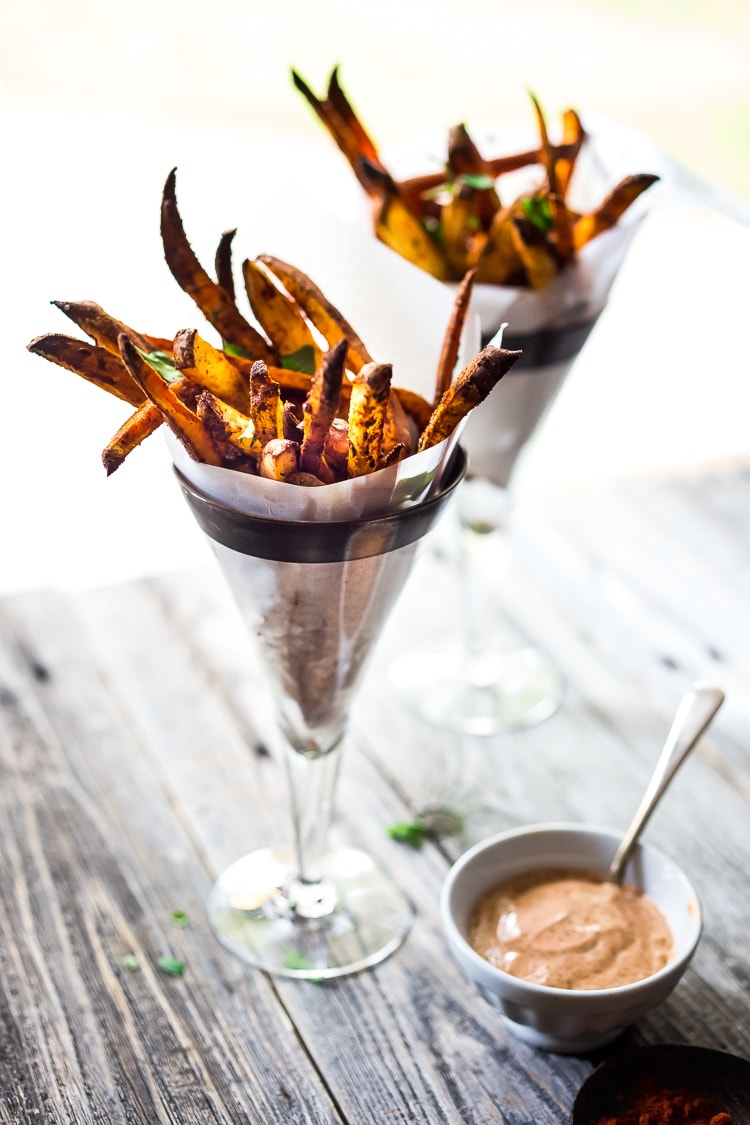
557	1019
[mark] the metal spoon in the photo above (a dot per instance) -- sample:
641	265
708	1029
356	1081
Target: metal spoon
696	710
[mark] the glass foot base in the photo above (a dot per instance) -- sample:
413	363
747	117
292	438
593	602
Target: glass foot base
496	692
251	909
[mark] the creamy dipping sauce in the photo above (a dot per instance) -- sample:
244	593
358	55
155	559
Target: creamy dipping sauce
569	929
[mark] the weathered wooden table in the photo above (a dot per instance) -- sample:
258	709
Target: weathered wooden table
139	758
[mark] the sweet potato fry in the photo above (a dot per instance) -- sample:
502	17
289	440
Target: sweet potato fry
318	309
498	262
546	152
398	431
226	425
96	364
468	389
342	123
291	426
211	368
452	337
536	253
336	448
321	406
573	136
214	302
265	404
179	418
367	411
223	263
396	226
104	329
279	459
610	210
415	406
281	320
146	419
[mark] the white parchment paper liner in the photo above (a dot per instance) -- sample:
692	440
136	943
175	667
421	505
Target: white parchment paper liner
400	314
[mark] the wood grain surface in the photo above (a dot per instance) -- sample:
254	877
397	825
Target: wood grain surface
139	757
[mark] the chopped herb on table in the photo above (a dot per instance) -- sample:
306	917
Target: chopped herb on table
172	966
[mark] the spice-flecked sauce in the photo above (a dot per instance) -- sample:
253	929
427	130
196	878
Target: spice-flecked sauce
570	929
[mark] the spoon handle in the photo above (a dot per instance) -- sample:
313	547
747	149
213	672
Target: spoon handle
696	710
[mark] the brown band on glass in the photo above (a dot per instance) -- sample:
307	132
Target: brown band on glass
316	542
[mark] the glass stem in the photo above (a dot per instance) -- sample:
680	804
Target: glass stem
312	785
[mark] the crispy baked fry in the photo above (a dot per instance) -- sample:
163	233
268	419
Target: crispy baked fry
227	425
104	329
265	404
398	431
342	123
281	319
452	337
336	448
93	363
397	227
367	412
146	419
321	406
319	310
279	459
573	136
223	263
610	210
498	262
535	252
179	418
468	389
211	368
214	302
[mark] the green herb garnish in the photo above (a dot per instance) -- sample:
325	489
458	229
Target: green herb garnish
130	961
411	832
538	211
476	180
433	823
172	966
295	960
235	349
302	360
180	918
164	364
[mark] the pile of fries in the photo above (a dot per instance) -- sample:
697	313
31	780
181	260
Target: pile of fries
297	398
453	221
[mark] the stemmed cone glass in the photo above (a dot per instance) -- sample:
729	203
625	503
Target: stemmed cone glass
486	681
316	595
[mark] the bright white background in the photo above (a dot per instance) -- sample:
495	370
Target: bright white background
99	101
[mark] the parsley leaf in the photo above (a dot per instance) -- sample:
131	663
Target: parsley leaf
411	832
164	364
433	824
172	966
302	360
538	211
180	918
130	961
295	960
476	180
235	349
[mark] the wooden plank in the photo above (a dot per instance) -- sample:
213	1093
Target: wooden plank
92	864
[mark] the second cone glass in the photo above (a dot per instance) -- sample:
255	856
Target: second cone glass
487	682
315	595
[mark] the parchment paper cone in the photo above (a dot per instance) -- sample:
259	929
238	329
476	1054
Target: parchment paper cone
317	621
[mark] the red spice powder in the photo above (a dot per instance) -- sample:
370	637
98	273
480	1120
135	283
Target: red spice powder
654	1106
